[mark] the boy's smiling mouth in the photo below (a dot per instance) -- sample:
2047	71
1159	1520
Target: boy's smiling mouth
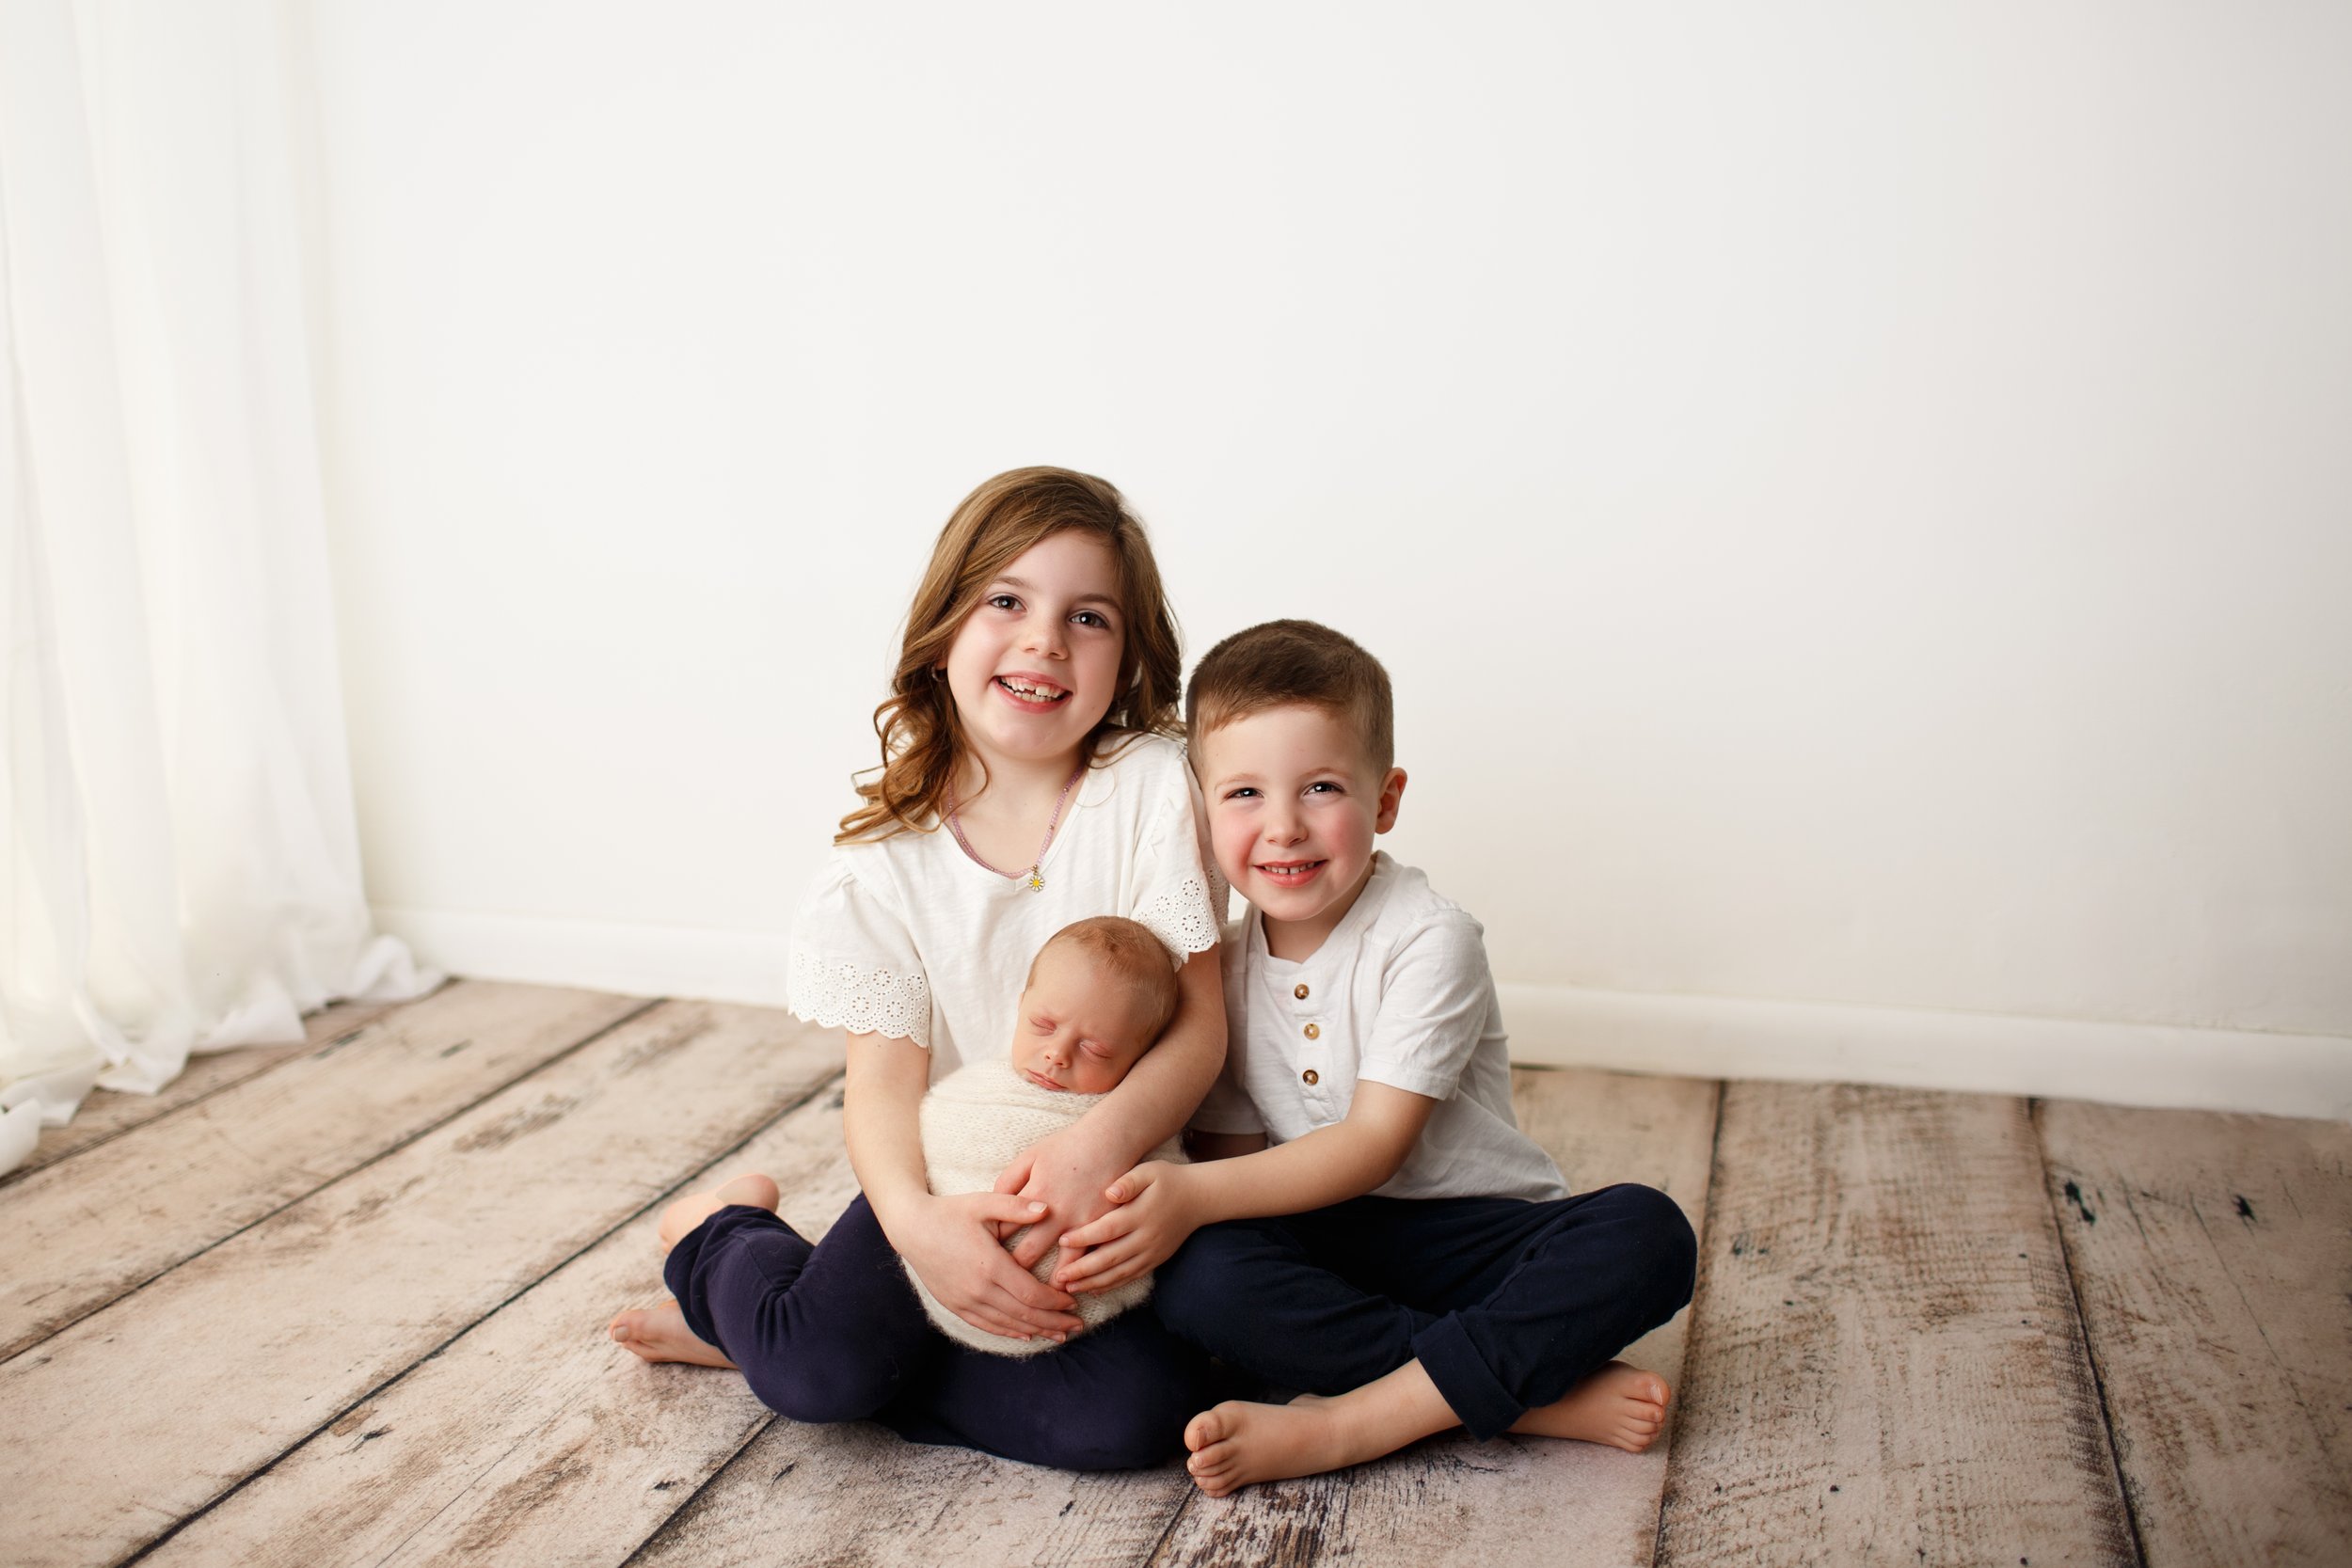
1030	691
1288	873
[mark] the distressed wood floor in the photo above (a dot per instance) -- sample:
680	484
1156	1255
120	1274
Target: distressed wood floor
343	1303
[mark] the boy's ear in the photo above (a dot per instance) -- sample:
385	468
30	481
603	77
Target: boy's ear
1391	792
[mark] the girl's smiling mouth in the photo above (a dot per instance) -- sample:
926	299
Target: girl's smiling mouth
1031	692
1289	873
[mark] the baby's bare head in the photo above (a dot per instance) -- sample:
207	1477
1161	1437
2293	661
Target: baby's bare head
1099	994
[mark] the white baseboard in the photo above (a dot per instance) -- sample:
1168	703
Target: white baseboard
598	955
2121	1063
2124	1064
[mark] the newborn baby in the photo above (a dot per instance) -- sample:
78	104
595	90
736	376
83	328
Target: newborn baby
1098	994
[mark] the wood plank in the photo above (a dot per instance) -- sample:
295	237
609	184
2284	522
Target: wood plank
183	1182
1508	1501
531	1438
858	1493
802	1494
108	1113
2213	1255
1885	1365
189	1386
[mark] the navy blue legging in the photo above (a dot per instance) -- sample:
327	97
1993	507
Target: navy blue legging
832	1331
1506	1303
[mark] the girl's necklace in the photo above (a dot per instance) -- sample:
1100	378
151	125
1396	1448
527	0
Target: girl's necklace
1035	878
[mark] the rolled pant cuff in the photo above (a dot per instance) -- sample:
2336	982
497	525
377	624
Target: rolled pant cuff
678	1269
1486	1407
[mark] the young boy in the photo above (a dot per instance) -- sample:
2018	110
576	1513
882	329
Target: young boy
1432	1270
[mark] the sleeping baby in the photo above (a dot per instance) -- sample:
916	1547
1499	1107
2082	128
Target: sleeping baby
1098	994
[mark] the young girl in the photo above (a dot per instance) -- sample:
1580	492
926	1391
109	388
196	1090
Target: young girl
1028	781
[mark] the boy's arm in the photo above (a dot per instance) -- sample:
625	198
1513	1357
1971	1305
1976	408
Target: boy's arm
1329	1165
1160	1204
1069	1171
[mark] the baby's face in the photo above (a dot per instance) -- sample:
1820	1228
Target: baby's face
1080	1027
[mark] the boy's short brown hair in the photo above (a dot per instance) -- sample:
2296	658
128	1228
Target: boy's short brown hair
1129	950
1280	663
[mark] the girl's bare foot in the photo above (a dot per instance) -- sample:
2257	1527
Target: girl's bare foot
750	1188
660	1334
1620	1406
1238	1443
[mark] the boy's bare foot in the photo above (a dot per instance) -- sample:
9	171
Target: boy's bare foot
750	1188
1620	1406
660	1334
1239	1443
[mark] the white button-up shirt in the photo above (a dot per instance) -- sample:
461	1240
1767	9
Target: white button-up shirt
1399	993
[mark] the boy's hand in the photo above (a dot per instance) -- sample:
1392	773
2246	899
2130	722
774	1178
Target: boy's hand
1154	1216
1067	1173
949	1242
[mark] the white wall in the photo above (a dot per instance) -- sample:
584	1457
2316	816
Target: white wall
1855	499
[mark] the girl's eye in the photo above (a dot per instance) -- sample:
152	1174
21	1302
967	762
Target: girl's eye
1092	618
1092	1049
1042	1025
1002	601
1244	792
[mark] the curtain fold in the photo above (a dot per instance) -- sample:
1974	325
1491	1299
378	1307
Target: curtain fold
181	862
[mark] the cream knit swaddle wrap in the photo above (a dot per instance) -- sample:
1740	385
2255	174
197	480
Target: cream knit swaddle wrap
974	1122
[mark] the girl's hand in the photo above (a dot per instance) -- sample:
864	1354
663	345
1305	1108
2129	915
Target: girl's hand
1154	1216
950	1244
1067	1173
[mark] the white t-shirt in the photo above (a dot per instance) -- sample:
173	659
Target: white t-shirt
910	936
1399	993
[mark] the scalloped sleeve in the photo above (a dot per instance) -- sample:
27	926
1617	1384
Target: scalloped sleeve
1178	893
854	962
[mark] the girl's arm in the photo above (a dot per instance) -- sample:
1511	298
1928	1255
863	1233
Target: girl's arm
1161	1203
948	1241
1070	1171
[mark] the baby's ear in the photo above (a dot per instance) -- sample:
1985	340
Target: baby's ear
1392	795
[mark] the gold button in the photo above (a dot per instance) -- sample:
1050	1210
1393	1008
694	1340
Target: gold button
1299	991
1310	1076
1314	1033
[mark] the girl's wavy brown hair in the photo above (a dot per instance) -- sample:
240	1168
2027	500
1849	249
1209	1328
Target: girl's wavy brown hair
921	737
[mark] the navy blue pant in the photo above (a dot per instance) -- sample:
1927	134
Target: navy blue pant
834	1332
1506	1303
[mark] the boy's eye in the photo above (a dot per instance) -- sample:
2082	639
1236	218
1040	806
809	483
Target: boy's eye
1324	784
1094	1050
1042	1025
1244	792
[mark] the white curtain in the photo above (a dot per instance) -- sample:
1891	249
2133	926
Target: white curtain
180	866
